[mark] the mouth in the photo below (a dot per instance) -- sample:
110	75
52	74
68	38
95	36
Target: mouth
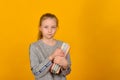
49	34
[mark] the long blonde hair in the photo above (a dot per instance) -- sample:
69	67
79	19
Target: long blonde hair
44	17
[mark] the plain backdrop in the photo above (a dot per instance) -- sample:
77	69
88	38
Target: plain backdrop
91	27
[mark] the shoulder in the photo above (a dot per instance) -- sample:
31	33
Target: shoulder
34	44
61	42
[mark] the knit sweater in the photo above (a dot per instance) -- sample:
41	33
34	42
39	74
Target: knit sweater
40	64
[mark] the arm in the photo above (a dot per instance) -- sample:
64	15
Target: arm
39	68
67	71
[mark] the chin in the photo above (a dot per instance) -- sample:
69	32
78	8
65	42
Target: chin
49	37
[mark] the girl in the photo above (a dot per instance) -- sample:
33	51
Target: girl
46	51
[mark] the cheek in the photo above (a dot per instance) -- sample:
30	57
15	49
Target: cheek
54	30
43	30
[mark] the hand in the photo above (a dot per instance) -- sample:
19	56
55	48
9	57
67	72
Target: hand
61	61
57	52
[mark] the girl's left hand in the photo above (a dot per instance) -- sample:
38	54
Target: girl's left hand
61	61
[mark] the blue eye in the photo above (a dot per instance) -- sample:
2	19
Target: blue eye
53	26
45	26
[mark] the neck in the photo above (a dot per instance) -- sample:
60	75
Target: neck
50	42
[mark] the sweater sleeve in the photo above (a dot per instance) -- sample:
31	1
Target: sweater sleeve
38	67
67	71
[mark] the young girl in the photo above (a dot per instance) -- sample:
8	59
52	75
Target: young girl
46	51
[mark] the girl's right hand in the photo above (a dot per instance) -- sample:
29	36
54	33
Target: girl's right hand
57	52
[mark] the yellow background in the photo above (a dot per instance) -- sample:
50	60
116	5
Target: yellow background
91	27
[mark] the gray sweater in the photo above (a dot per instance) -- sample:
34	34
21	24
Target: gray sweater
40	64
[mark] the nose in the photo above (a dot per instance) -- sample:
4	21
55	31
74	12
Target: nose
49	30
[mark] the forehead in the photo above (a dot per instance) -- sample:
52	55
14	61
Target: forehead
49	21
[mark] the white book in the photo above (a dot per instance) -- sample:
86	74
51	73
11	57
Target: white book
55	67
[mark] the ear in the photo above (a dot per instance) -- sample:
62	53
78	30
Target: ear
57	28
39	28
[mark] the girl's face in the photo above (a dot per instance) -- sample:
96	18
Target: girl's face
48	28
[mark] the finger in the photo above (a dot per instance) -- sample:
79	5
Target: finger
58	48
55	61
62	54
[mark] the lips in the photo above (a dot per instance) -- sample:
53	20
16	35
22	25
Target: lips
49	34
